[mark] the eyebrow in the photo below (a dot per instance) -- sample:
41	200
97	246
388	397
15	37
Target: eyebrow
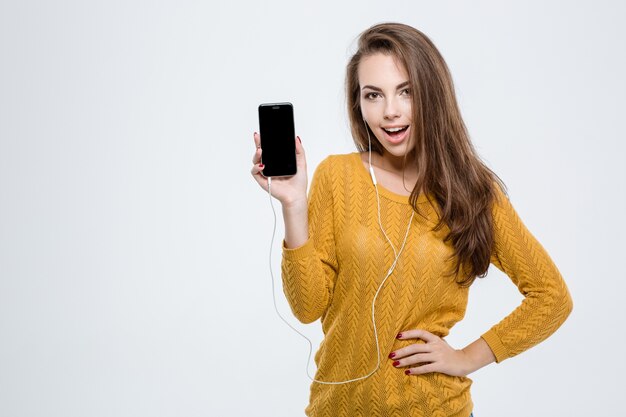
399	86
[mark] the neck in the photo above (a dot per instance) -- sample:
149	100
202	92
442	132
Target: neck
398	164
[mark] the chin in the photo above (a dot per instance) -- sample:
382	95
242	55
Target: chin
398	151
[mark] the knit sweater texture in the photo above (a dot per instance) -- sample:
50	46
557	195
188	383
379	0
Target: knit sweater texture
336	273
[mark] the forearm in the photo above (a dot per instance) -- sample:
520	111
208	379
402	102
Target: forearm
308	269
296	220
478	354
547	302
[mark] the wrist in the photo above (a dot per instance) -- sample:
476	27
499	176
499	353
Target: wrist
295	214
477	355
295	205
468	363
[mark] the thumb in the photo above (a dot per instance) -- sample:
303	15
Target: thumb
299	147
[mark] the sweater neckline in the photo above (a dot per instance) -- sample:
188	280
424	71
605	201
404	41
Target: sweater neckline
384	192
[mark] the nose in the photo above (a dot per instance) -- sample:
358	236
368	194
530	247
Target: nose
392	109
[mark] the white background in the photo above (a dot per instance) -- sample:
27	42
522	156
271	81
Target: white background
134	277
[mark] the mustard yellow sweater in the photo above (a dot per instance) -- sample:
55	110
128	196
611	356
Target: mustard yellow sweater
335	274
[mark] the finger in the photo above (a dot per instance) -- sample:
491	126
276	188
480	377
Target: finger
299	147
257	140
256	158
421	370
414	360
257	153
418	334
410	350
300	156
257	170
258	176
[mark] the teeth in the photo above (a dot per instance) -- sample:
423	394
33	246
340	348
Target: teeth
394	129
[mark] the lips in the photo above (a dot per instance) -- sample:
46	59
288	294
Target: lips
396	134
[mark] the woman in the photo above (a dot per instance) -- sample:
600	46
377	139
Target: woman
416	210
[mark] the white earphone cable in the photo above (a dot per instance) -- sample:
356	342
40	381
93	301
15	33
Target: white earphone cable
269	191
389	272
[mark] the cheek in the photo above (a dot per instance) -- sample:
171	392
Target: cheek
406	109
366	109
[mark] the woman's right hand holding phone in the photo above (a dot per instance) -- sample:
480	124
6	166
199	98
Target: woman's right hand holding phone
290	191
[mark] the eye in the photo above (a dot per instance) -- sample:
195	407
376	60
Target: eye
405	92
372	96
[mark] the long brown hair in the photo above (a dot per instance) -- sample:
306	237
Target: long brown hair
449	167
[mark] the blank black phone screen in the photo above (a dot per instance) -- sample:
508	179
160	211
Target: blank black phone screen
277	139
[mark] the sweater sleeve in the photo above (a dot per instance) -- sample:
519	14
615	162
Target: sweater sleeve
547	301
309	271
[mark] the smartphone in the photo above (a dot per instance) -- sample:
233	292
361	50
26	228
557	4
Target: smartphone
278	136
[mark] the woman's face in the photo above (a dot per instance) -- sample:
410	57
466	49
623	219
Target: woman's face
386	102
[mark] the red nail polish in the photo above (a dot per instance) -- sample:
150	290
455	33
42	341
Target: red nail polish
407	372
261	166
392	355
396	363
399	336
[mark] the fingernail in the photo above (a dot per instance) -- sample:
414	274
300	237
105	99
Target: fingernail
396	363
407	372
399	336
261	165
392	355
300	140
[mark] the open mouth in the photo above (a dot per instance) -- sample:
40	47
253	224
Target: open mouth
396	132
